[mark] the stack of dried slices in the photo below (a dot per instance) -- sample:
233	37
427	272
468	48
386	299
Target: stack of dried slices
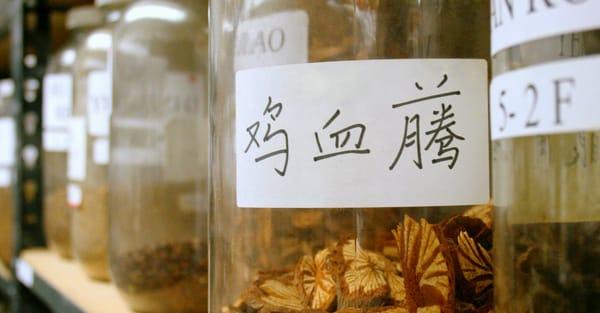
431	268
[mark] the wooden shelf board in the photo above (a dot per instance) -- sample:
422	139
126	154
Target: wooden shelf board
64	286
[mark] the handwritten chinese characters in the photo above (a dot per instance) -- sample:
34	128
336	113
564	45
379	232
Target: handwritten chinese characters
362	134
350	139
441	132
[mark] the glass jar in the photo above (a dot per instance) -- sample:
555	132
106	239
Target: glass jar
58	102
89	144
348	186
546	162
159	157
7	169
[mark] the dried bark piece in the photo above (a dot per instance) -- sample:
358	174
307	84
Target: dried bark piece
475	263
427	267
278	294
316	280
483	212
362	278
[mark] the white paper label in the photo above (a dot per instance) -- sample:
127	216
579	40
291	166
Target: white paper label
101	151
76	161
74	195
58	100
56	140
5	177
276	39
8	141
375	133
58	103
557	97
515	22
24	273
99	103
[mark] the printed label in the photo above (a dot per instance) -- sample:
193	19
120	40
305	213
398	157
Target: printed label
5	177
77	149
100	152
516	22
8	141
557	97
276	39
363	134
74	195
58	103
99	103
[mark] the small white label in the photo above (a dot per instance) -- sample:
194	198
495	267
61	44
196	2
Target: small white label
557	97
8	141
74	195
101	151
276	39
76	159
58	100
5	177
99	103
519	21
374	133
24	273
56	140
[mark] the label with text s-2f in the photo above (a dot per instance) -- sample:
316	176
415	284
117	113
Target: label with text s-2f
374	133
520	21
552	98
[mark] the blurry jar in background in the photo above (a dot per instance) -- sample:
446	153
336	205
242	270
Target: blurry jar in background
88	154
347	186
546	156
7	170
158	171
58	103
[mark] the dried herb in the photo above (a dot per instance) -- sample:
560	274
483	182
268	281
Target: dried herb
316	280
428	270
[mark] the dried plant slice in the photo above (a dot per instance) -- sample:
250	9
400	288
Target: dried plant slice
316	281
274	294
427	266
482	212
389	309
396	283
475	263
362	280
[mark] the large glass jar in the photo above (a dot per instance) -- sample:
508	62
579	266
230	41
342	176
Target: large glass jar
7	175
546	158
58	102
89	144
159	157
349	186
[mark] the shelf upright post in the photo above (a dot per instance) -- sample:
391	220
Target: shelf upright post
30	47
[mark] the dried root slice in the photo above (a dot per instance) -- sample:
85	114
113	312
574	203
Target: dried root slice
482	212
276	295
316	280
396	283
475	263
362	278
427	267
307	219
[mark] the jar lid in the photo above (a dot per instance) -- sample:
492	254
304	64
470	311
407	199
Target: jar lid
101	3
84	16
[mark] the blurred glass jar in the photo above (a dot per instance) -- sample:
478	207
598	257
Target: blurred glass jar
58	103
299	222
546	166
89	134
7	169
159	157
